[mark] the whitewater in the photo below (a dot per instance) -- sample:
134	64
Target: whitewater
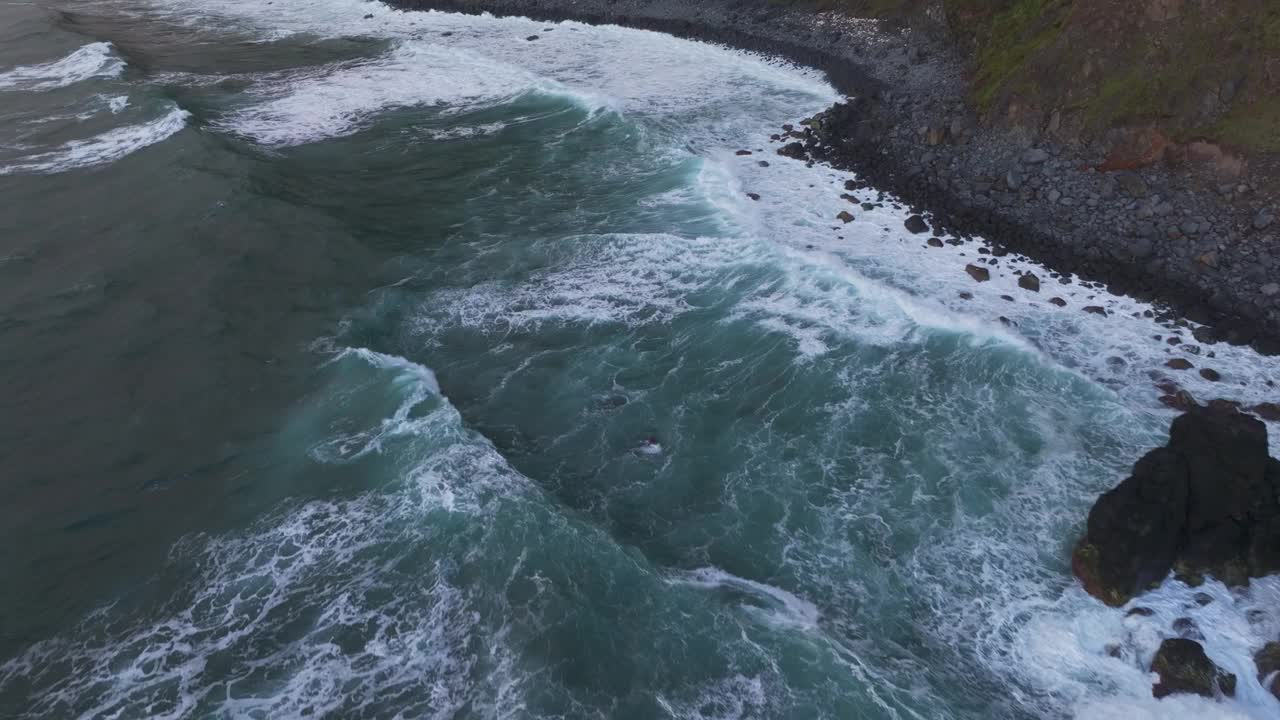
536	384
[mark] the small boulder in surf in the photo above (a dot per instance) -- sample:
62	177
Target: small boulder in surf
916	225
980	274
1183	667
794	150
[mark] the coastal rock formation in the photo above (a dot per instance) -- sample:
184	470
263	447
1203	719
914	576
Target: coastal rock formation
1184	668
1207	503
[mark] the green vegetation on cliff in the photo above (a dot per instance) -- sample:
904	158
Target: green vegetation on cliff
1188	67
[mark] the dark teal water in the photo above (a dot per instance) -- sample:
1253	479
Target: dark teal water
402	367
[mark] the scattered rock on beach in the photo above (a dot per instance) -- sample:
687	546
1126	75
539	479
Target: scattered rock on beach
980	274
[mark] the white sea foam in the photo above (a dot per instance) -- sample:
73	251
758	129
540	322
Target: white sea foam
341	99
777	607
101	149
95	60
281	600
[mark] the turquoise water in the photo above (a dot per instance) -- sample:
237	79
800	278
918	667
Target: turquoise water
404	367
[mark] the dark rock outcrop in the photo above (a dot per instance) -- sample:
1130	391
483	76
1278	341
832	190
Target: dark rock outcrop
1208	503
1184	668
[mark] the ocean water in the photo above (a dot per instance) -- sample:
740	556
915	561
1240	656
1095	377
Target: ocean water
368	364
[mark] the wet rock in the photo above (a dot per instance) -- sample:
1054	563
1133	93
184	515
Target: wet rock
1058	301
741	153
368	16
753	196
966	296
1263	220
845	216
1210	374
1204	504
762	163
935	242
1179	364
794	150
1095	310
980	274
1186	628
1267	411
1183	667
1203	599
1179	400
1029	281
1268	661
1140	612
531	38
916	225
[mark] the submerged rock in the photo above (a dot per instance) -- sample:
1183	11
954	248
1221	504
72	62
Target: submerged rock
1184	668
1208	503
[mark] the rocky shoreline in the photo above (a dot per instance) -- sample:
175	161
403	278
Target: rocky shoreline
1207	251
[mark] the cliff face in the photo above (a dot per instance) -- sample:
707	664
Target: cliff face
1178	70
